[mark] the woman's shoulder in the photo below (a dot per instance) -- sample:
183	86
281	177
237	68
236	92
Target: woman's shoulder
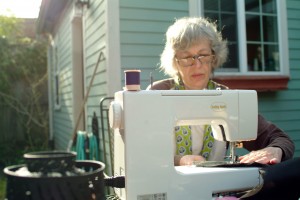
165	84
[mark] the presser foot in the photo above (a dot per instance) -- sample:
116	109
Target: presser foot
232	159
213	163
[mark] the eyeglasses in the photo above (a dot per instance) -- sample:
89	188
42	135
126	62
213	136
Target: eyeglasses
203	59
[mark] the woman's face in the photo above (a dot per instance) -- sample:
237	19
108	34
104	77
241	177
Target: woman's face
195	76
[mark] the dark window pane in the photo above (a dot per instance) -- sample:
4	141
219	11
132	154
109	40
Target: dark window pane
224	12
269	6
228	5
271	57
211	5
270	29
253	28
254	57
266	59
229	28
57	90
233	57
213	16
252	5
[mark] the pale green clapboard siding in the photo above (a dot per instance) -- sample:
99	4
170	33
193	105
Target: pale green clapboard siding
62	120
293	14
142	33
95	34
94	39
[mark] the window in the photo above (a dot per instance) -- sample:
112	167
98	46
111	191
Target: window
256	32
56	81
224	12
262	35
56	94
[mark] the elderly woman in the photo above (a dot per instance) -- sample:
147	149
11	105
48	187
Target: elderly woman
193	49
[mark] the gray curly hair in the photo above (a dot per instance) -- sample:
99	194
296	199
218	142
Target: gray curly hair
185	33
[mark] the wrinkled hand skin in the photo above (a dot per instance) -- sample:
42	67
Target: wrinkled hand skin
189	159
268	155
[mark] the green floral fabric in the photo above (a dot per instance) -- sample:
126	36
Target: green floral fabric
183	134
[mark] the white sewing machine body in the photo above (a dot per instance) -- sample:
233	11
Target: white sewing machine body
144	122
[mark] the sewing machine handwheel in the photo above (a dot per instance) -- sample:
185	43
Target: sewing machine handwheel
115	115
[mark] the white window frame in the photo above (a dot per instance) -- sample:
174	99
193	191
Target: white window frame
196	8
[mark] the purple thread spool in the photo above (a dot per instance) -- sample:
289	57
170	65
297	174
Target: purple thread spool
132	80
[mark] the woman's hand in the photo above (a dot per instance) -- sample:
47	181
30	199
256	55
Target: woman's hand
268	155
187	159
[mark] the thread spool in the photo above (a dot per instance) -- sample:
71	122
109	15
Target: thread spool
132	80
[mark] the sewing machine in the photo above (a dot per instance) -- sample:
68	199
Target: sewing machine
143	123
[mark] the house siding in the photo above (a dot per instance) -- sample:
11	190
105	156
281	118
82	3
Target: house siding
95	46
62	117
142	25
291	97
142	33
95	34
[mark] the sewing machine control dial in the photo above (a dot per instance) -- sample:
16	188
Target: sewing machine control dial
115	115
